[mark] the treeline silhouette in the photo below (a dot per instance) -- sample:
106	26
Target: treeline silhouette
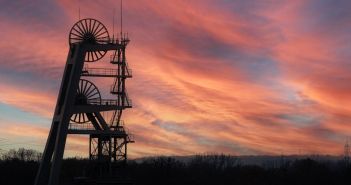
19	167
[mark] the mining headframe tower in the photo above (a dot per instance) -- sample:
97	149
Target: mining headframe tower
80	108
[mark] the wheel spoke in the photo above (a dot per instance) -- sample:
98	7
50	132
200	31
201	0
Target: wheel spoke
99	30
97	98
102	54
86	25
102	38
90	85
79	36
81	33
75	116
77	39
93	27
79	117
96	29
83	116
93	95
87	93
90	92
99	54
78	25
81	25
88	56
96	55
91	56
98	35
89	26
85	87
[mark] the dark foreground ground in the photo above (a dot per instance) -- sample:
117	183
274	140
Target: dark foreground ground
197	170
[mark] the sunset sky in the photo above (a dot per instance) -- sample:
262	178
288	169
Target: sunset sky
227	76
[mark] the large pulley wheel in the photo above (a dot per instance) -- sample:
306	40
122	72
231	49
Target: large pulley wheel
87	93
89	31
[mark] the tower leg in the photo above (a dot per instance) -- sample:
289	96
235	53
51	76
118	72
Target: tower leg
90	140
44	168
125	150
110	155
58	152
114	149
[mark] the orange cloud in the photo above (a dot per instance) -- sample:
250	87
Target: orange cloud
207	77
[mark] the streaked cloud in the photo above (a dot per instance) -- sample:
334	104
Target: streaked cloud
239	77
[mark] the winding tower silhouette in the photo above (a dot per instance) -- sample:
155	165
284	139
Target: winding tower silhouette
80	108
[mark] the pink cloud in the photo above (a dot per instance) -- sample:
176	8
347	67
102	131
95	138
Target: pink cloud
206	79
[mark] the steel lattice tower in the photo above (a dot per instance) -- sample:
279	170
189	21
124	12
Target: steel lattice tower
80	107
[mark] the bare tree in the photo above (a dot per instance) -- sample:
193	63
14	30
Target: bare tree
22	154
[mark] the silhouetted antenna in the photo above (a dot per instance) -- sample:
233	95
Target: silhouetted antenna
78	9
121	19
113	24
